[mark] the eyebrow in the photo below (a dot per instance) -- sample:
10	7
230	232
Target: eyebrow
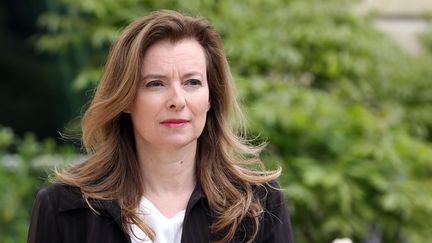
160	76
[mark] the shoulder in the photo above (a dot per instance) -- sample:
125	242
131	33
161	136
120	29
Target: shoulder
270	194
61	212
64	198
45	220
60	197
275	223
59	189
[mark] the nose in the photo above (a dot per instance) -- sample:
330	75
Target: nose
176	99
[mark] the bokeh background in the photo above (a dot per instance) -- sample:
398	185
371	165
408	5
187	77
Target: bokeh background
341	90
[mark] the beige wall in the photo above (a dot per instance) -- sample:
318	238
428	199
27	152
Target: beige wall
401	19
397	7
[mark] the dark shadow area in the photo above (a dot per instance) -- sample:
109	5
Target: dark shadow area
34	95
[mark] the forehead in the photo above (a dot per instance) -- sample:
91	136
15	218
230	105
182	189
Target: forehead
183	55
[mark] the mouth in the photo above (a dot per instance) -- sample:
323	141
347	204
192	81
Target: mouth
174	122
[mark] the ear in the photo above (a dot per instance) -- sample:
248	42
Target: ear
208	105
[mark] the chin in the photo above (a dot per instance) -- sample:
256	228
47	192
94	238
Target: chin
181	142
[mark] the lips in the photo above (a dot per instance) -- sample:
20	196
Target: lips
174	122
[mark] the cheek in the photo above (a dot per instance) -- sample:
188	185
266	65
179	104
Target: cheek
143	108
199	109
203	104
146	102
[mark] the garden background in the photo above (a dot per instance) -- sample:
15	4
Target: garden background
346	112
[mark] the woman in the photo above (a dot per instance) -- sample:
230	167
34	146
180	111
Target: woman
164	163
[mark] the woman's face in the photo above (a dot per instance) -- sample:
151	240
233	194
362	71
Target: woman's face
170	107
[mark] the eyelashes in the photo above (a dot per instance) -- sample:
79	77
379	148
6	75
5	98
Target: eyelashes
160	83
154	83
194	82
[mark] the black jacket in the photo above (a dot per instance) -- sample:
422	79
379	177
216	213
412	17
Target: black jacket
61	215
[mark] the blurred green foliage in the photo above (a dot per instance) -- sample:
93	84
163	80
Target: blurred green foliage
347	114
347	172
24	166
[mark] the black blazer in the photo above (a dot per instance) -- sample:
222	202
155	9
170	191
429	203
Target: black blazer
61	215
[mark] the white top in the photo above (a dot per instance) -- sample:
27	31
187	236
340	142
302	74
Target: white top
167	230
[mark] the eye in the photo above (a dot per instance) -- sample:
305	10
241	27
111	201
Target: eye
194	82
154	83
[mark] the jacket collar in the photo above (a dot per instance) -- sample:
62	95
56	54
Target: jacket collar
70	198
196	195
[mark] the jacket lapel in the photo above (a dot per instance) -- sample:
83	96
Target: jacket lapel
71	198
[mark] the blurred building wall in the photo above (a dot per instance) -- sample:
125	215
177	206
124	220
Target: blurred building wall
402	20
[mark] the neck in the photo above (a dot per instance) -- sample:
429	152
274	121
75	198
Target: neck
167	172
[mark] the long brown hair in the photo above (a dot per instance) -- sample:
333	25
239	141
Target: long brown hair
223	158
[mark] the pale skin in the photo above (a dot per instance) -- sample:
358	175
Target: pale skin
168	115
